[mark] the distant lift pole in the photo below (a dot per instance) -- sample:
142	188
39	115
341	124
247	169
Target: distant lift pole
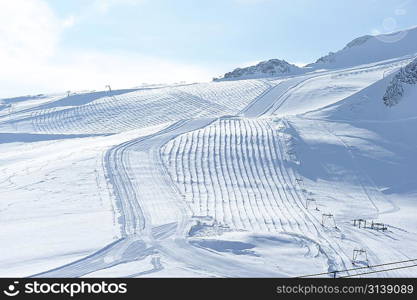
357	253
312	200
328	218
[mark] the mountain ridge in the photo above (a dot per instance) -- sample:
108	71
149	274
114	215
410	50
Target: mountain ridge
361	50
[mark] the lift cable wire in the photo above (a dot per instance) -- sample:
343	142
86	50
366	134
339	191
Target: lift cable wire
372	272
361	268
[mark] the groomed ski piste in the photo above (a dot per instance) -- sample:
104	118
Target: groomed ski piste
245	178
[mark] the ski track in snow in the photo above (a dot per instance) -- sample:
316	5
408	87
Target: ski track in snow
138	109
134	220
245	186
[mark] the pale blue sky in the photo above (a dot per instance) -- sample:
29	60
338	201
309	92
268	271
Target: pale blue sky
89	43
232	31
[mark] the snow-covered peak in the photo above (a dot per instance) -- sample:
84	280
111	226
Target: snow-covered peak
269	68
370	49
358	41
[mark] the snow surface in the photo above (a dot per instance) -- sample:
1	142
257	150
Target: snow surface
221	179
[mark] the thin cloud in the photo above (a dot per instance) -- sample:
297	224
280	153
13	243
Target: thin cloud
33	60
104	6
250	1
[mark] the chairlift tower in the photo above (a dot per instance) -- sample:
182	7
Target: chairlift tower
328	219
379	226
311	200
11	112
359	253
359	223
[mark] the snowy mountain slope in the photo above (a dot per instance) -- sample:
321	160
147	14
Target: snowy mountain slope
369	49
214	92
232	174
346	169
228	189
368	105
268	68
385	131
361	51
124	110
357	158
55	199
328	88
315	90
220	179
153	209
358	193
